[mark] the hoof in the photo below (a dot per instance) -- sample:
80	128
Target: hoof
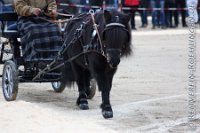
82	103
107	114
83	106
107	111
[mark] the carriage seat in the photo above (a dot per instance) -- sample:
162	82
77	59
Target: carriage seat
9	30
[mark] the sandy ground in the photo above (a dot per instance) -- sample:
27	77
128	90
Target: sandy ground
149	94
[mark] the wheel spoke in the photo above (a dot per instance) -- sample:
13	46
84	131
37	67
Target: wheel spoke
8	83
6	88
10	88
6	75
8	72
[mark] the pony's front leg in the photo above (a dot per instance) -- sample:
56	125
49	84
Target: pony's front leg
106	106
104	84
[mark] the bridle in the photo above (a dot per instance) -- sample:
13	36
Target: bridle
109	26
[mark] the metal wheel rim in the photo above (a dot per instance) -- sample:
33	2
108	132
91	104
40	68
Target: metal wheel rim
56	84
8	82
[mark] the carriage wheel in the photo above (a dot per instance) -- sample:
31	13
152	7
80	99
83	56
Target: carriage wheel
58	86
92	90
10	81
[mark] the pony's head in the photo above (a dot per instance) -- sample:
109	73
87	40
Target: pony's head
116	36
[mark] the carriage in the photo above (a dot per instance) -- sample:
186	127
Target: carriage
93	44
16	70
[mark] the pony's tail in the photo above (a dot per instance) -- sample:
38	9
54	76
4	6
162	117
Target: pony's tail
70	84
68	78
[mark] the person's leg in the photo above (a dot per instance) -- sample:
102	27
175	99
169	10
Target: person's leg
133	18
198	7
129	12
154	13
176	13
110	3
170	19
183	12
96	3
170	15
142	18
199	13
146	5
84	2
116	4
162	14
158	22
143	13
173	14
145	18
167	14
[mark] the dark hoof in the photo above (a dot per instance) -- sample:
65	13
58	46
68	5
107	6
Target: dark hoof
83	106
107	114
107	111
82	103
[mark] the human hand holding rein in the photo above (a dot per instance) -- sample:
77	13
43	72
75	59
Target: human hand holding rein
52	13
37	11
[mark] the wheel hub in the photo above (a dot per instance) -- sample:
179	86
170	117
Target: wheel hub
7	81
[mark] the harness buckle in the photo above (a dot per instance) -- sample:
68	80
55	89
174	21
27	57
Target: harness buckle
91	11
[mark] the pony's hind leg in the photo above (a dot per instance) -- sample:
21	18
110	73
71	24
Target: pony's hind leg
83	83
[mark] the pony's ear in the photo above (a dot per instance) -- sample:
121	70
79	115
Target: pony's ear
128	17
107	16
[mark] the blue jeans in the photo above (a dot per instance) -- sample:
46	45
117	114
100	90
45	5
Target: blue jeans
112	3
158	16
144	17
86	3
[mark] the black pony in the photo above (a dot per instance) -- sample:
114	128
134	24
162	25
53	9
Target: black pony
94	47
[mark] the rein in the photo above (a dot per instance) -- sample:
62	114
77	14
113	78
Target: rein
108	26
78	34
43	13
98	34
